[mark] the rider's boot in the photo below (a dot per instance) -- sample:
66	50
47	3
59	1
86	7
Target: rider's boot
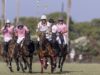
37	45
5	49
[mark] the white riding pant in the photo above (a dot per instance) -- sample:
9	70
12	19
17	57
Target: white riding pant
7	39
20	39
65	39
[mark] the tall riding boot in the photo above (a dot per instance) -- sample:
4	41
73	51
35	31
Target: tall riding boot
5	50
37	45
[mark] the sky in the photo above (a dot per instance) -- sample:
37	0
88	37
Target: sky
82	10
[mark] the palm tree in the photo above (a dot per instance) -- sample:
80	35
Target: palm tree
68	15
3	12
17	11
68	21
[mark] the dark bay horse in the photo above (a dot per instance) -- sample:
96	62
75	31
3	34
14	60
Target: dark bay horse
24	55
45	51
61	49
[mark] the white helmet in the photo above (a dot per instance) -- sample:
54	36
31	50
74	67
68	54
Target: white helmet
43	17
7	21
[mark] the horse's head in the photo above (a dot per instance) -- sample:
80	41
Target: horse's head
42	36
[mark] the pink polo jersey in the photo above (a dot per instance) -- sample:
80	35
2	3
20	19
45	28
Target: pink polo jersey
21	32
7	32
62	28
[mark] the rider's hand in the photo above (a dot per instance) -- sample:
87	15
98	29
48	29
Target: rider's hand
5	30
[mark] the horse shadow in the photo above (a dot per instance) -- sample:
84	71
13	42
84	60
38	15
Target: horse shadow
63	72
33	73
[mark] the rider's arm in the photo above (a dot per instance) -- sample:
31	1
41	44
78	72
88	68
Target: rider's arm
38	27
65	29
2	29
16	31
26	28
11	29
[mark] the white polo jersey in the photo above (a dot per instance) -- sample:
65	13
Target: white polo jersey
43	28
54	29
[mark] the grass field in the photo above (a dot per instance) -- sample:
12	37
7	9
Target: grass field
69	69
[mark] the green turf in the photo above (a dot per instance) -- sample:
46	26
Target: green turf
69	69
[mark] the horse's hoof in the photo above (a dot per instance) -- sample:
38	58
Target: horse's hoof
11	69
18	69
61	70
30	71
25	68
45	67
41	72
55	66
52	70
23	71
58	66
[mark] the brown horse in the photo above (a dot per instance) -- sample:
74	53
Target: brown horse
45	50
10	53
9	56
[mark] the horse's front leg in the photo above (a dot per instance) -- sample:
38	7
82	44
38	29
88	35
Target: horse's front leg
10	64
25	63
17	63
21	63
54	59
52	64
59	62
42	63
62	62
46	63
30	64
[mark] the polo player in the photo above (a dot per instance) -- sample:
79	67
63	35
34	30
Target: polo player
62	31
7	32
20	32
43	26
